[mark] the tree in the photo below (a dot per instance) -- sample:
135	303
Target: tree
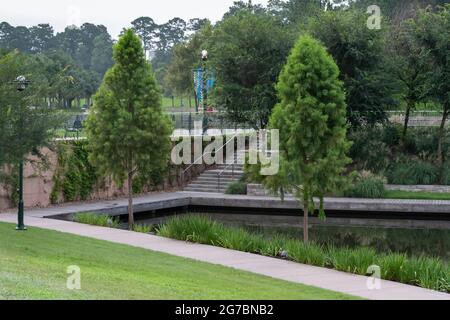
42	37
433	33
409	65
127	131
102	54
311	117
186	57
296	11
171	33
358	52
146	28
248	6
25	121
247	52
197	24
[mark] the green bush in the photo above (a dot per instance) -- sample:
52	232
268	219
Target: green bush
193	228
237	188
423	142
414	173
446	174
142	228
352	260
367	185
369	151
96	220
311	254
425	272
391	135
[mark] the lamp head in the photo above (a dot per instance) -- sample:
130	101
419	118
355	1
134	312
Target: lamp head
204	55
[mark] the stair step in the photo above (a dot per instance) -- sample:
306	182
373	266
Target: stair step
206	180
212	185
216	171
210	190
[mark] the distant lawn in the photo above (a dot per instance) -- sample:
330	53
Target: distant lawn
167	102
408	195
33	266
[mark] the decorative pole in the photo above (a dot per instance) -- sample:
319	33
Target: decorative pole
22	84
205	89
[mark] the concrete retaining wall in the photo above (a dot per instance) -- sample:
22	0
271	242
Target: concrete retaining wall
38	183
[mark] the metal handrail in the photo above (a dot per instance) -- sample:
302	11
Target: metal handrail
219	175
205	153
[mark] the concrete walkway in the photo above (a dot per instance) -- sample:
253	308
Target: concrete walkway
275	268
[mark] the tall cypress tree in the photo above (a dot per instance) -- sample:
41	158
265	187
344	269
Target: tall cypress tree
127	131
311	117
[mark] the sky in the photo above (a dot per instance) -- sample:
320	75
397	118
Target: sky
114	14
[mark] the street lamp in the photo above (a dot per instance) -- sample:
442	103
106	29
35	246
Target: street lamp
205	89
21	84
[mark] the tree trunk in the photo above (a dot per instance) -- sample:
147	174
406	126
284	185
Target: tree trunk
407	115
441	136
305	223
130	201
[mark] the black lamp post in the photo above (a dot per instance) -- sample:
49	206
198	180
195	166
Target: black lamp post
205	89
22	84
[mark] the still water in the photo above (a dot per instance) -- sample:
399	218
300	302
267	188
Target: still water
428	242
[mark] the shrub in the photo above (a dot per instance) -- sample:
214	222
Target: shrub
142	228
367	185
424	141
414	173
192	228
352	260
391	135
237	188
393	267
446	174
311	254
241	240
369	151
96	220
427	272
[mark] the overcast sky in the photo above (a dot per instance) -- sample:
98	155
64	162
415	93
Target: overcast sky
114	14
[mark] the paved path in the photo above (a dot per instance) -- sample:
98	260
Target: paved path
275	268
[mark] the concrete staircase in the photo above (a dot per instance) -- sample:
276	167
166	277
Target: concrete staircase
209	180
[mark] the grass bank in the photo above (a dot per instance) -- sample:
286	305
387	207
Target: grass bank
33	265
426	272
408	195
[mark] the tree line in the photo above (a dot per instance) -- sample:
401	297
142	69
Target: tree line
76	59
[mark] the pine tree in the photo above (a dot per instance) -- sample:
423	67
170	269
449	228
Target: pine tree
311	117
127	131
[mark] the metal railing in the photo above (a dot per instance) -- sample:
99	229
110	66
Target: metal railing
203	155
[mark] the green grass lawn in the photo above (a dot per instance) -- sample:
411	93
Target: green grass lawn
178	101
416	195
33	265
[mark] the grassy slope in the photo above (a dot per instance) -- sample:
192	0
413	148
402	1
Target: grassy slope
416	195
33	266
